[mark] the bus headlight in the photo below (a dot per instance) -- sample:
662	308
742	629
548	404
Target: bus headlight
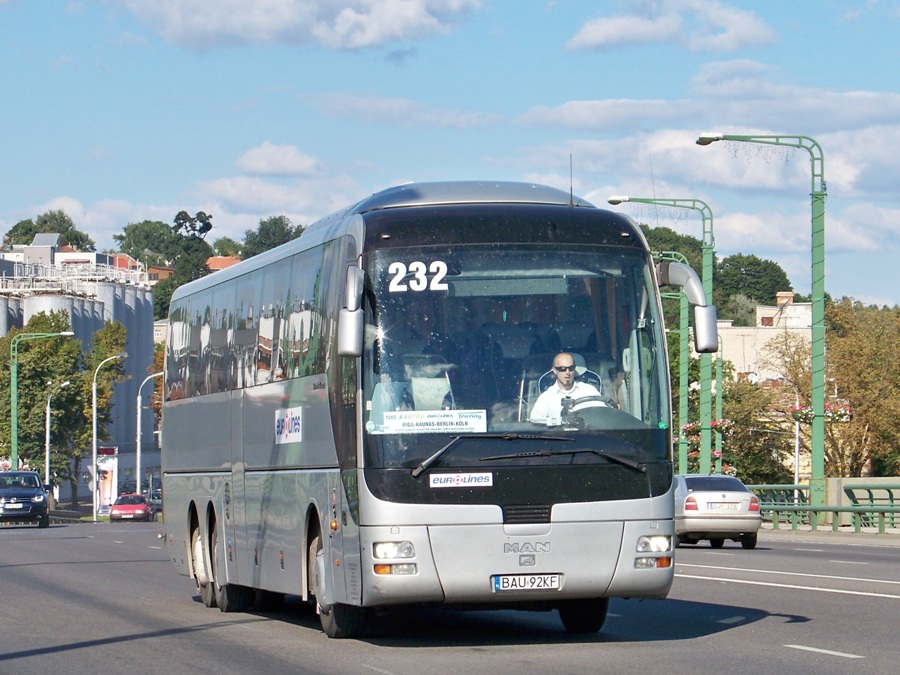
657	543
391	550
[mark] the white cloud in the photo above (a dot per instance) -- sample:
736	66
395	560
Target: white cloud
283	160
332	24
396	112
614	31
698	25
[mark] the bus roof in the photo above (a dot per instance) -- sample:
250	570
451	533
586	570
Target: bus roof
466	192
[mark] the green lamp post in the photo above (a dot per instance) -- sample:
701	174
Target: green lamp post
708	249
817	395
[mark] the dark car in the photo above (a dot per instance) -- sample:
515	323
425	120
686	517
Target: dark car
716	508
23	498
131	507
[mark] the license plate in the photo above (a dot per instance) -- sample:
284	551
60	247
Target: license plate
723	506
128	515
17	505
526	582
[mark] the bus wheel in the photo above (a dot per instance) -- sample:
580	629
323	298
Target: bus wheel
338	621
229	597
584	616
201	569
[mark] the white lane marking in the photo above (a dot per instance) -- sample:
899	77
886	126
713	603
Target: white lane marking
792	586
849	562
825	651
811	550
790	574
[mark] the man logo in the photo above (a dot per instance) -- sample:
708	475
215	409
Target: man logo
528	547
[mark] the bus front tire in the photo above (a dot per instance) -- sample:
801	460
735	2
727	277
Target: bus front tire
342	621
338	621
584	616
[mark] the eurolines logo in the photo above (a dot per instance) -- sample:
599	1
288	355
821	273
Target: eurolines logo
288	426
452	480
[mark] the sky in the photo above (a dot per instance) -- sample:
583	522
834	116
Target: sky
119	111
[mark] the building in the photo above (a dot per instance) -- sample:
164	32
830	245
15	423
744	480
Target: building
92	288
743	345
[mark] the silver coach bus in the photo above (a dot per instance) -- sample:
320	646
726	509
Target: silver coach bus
347	418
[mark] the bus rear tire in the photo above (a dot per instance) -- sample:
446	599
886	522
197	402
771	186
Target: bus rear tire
201	569
229	597
584	616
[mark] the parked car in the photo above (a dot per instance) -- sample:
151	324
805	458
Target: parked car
716	508
23	498
155	499
131	507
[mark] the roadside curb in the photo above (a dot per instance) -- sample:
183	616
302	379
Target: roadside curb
867	537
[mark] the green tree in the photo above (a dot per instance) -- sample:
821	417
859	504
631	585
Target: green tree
57	360
758	279
667	239
198	225
273	231
153	242
226	246
757	447
863	371
23	232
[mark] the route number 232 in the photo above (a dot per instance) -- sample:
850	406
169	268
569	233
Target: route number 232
415	277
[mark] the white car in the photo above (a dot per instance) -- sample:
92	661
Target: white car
716	508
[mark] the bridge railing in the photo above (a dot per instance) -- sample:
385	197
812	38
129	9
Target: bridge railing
870	505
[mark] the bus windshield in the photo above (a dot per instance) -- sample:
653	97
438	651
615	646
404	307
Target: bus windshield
462	340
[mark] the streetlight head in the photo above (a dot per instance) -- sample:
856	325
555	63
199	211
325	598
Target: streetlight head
123	355
707	138
65	384
615	200
67	333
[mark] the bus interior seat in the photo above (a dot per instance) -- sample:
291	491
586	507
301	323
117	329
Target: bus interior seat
429	381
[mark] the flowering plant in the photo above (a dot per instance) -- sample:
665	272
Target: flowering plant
691	430
834	412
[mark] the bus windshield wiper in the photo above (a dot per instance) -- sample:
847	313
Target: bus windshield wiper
631	464
456	439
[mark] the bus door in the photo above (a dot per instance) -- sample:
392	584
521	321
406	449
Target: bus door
345	499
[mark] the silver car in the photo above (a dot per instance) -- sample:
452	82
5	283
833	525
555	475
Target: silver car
715	508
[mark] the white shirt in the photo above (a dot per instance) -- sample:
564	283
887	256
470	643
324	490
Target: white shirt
548	406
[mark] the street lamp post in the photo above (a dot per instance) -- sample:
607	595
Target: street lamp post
14	388
47	431
137	461
817	395
96	486
708	249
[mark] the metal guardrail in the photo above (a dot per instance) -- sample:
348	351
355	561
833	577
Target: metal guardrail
792	500
859	513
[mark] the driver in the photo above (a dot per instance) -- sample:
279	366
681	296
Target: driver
548	407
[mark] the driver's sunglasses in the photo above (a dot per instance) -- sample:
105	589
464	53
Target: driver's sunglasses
564	369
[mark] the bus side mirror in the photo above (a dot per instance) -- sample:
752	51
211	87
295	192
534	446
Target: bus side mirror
350	319
706	332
